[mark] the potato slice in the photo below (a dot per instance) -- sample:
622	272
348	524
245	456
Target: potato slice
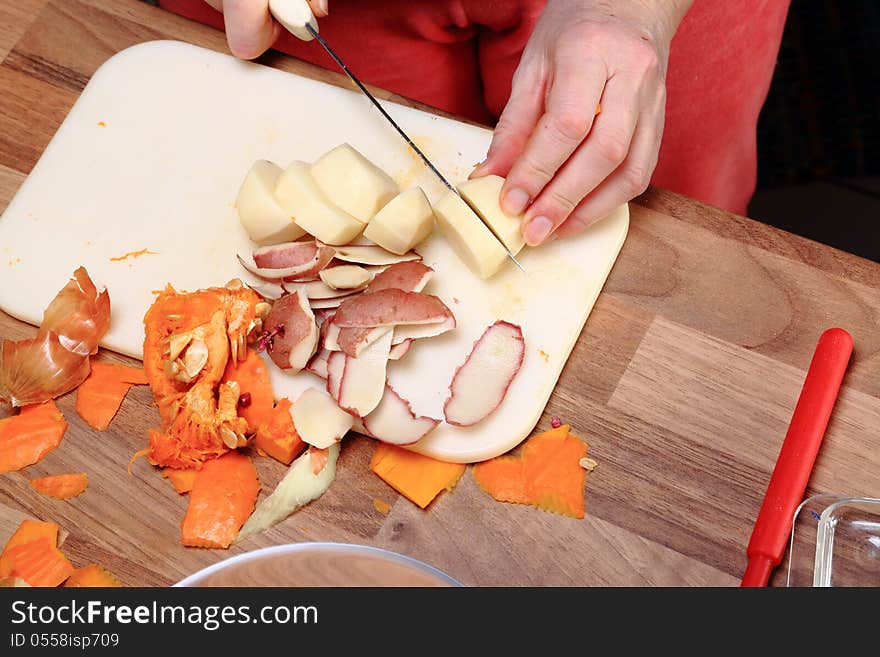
265	221
352	182
300	197
405	221
472	241
346	277
483	195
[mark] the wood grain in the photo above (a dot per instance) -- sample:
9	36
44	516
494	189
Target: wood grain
15	18
683	382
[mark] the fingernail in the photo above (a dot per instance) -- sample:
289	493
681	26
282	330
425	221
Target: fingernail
515	201
537	230
323	7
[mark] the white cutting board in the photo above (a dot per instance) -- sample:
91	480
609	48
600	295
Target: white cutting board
151	157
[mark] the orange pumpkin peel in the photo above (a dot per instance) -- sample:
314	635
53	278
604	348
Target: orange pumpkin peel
548	474
63	486
415	476
28	530
222	497
27	437
256	399
189	341
92	575
278	437
182	480
99	397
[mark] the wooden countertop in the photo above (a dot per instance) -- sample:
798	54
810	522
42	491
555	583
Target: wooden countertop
683	382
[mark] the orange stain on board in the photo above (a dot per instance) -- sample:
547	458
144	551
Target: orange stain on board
133	254
381	506
101	124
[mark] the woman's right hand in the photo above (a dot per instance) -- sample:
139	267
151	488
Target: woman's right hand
250	28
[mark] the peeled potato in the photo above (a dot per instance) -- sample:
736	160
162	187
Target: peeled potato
472	241
483	195
297	193
405	221
353	183
265	221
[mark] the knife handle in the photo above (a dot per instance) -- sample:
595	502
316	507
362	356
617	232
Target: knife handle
797	455
294	15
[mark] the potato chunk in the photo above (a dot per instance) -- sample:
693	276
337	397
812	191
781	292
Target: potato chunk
483	195
298	194
353	183
405	221
472	241
265	221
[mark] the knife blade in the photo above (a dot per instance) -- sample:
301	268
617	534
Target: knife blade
297	18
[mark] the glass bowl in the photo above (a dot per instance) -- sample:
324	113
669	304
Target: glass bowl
835	541
319	564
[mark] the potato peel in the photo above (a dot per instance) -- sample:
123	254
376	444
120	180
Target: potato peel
299	486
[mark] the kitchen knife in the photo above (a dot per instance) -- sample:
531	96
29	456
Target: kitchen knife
297	18
797	455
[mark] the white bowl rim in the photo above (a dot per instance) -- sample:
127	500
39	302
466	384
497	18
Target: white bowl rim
252	555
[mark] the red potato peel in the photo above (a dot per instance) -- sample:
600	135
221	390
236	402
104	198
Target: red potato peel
404	332
482	381
389	307
295	336
317	365
406	276
353	341
268	290
363	379
318	420
329	304
400	349
319	290
288	254
410	276
369	254
301	272
335	371
393	421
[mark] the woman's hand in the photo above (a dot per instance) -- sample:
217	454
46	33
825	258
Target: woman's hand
565	165
250	28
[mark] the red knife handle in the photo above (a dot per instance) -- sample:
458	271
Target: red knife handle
797	455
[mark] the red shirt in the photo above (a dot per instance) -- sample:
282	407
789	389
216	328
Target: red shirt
460	55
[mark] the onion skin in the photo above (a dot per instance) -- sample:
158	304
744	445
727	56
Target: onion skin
57	360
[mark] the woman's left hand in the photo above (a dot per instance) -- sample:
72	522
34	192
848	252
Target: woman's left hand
567	166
